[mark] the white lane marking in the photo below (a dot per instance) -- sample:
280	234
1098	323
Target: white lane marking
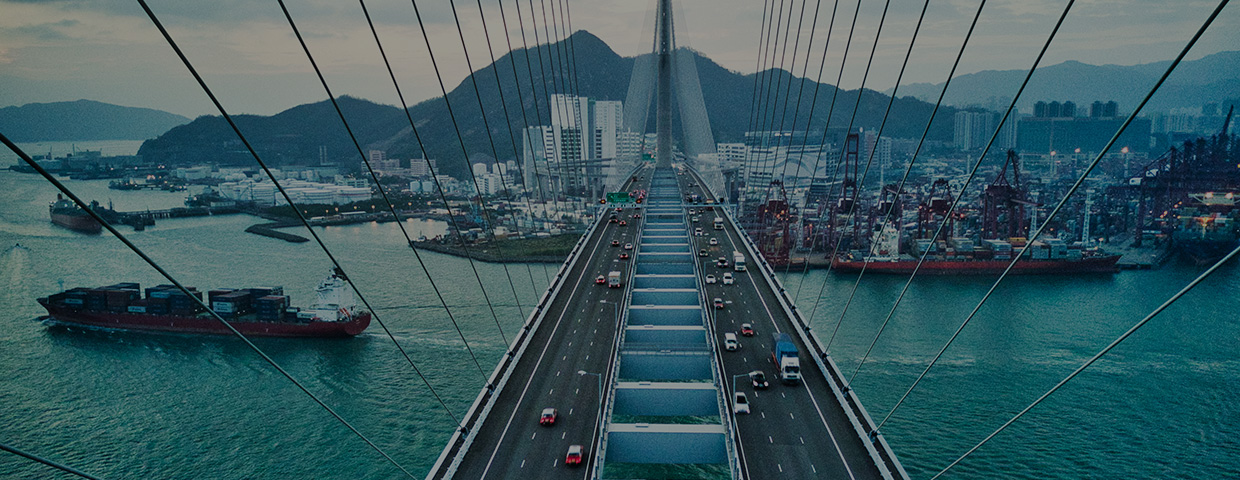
781	468
521	398
557	373
811	466
770	439
522	463
792	416
533	435
570	412
562	435
763	414
549	392
831	434
802	440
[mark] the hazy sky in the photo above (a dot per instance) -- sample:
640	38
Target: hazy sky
107	50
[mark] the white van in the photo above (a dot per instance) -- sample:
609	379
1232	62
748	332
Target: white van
729	342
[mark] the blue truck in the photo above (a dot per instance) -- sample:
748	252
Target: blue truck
784	354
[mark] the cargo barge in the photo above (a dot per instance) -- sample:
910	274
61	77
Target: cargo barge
261	311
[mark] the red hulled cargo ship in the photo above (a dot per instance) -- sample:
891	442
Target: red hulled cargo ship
67	214
252	311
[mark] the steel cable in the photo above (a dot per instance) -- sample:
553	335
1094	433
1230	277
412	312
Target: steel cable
50	463
254	153
903	180
1075	186
107	226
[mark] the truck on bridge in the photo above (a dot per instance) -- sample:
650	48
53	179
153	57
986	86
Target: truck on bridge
613	279
738	261
784	354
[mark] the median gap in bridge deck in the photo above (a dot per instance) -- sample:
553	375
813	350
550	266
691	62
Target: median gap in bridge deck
666	399
666	443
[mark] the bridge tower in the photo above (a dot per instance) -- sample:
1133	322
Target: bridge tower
663	108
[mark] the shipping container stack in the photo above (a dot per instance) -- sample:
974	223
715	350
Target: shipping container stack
270	308
168	299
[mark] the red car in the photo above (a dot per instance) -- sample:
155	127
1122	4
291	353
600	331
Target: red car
548	417
718	303
624	255
615	243
746	330
574	455
600	280
637	215
623	223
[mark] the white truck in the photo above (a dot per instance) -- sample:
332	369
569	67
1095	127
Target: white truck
738	261
718	223
613	279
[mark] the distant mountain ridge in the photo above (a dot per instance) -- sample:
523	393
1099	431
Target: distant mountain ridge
84	120
295	135
1214	78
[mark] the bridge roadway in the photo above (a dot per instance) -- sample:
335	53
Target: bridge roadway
799	431
577	333
792	431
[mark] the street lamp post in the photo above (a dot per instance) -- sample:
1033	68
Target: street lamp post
600	399
734	377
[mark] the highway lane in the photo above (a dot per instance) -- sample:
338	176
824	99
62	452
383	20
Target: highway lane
793	431
578	333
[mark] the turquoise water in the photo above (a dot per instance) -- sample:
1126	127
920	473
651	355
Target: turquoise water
132	405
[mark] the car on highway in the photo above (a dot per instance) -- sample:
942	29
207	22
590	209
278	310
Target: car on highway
730	343
601	279
722	262
619	209
740	403
623	223
703	253
628	246
574	455
746	329
548	417
612	219
637	215
710	279
758	379
624	255
728	279
697	232
714	241
615	243
718	303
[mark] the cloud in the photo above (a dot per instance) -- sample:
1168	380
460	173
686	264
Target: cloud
45	31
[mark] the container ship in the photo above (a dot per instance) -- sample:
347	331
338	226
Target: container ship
67	214
961	256
261	311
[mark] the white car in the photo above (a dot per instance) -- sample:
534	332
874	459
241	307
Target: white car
697	232
628	246
740	403
714	241
730	343
728	279
710	279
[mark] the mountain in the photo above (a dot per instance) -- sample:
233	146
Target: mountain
295	136
1213	78
84	120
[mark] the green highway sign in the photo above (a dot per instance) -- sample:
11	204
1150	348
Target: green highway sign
619	197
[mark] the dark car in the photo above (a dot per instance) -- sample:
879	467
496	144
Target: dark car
703	253
623	223
548	417
624	255
722	262
758	379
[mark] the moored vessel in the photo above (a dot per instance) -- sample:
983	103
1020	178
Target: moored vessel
67	214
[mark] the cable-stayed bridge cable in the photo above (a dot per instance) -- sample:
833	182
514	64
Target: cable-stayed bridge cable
764	102
1096	357
779	85
167	276
900	188
971	175
1075	186
51	463
254	153
495	154
366	161
516	150
835	91
758	73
